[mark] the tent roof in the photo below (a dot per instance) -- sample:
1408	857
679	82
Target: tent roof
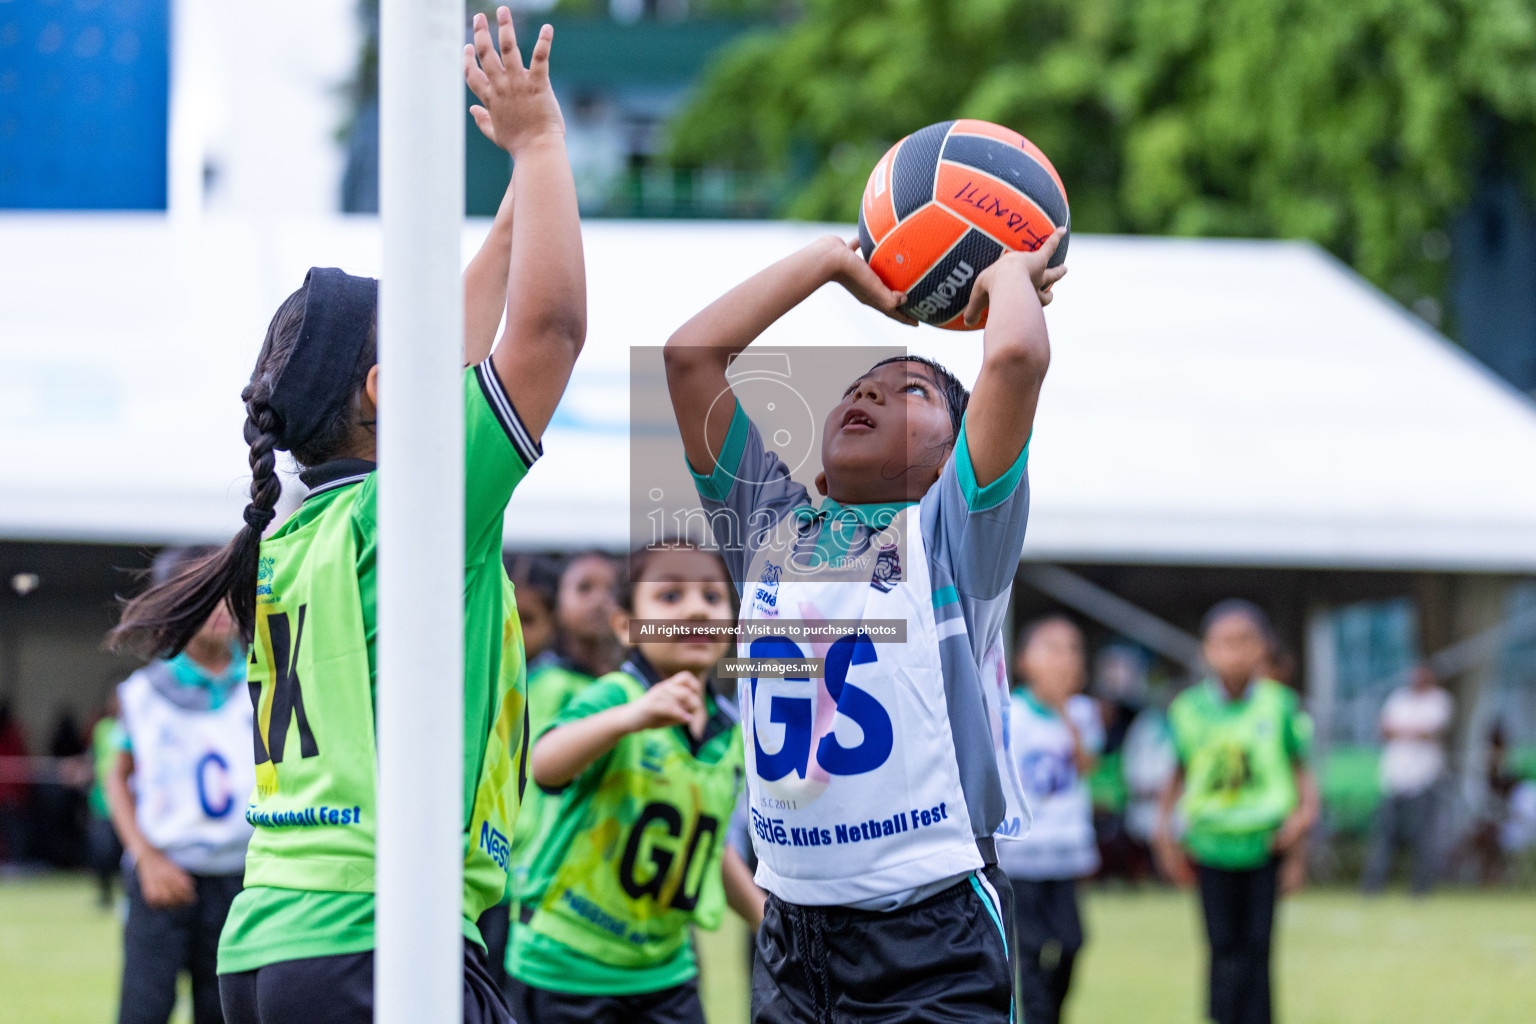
1209	402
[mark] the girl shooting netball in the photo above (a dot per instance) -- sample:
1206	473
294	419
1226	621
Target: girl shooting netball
874	837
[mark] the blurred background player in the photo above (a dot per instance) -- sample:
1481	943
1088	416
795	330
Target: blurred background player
1414	723
178	795
642	770
584	646
1057	735
1248	799
1120	819
539	578
15	827
579	646
104	848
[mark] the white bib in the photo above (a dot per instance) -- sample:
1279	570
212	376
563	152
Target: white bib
853	785
193	774
1061	842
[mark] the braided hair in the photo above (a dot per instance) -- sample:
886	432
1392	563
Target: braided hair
163	619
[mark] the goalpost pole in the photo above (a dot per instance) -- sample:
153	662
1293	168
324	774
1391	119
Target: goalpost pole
418	968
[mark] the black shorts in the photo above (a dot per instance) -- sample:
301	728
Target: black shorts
945	958
339	990
677	1005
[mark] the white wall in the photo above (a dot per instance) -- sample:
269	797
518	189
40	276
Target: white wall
257	97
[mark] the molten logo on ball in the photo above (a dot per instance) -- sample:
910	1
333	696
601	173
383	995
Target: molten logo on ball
945	293
947	201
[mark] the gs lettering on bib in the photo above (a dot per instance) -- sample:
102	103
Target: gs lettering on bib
874	781
853	781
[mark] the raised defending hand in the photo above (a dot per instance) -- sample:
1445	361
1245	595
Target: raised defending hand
1017	266
519	104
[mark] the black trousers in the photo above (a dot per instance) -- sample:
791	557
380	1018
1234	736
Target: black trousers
677	1005
495	929
159	944
943	959
1049	931
106	856
1239	911
339	990
1408	819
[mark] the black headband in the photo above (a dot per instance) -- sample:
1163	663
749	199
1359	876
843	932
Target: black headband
317	380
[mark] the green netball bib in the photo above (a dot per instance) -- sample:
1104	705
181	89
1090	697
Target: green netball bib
632	857
314	804
1238	755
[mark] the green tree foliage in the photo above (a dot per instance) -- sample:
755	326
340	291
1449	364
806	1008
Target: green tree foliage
1361	124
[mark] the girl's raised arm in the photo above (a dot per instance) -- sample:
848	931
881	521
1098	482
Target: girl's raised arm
485	279
1016	351
698	352
546	286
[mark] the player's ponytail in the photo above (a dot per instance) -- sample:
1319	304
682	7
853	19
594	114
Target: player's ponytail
324	333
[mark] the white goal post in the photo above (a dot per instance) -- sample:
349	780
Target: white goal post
418	968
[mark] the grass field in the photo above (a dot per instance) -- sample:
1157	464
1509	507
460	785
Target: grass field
1456	958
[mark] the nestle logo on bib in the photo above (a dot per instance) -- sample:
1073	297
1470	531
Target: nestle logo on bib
264	574
494	843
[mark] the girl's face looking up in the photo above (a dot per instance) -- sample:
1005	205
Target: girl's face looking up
888	438
680	587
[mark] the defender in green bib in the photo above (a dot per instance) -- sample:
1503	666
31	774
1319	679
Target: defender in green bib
1248	801
298	943
641	772
316	622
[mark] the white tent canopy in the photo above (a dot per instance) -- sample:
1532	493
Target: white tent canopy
1209	402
